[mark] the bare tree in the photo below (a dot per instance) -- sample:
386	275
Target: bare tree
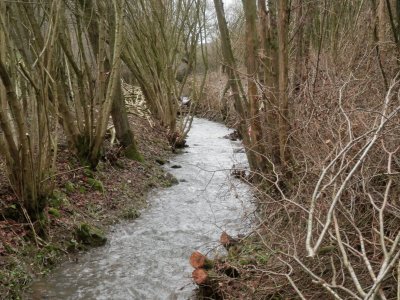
256	136
28	96
241	105
168	32
93	80
283	44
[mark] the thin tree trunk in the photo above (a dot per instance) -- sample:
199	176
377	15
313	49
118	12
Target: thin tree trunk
299	42
113	83
122	128
381	15
119	115
250	11
269	40
283	23
240	104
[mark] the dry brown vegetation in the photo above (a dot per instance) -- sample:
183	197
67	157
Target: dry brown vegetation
329	218
61	69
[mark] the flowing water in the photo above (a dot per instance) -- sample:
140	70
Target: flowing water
148	258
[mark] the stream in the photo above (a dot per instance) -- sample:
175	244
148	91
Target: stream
149	257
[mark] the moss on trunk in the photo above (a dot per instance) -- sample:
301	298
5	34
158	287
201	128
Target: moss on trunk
132	152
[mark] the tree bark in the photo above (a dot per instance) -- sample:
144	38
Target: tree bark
123	131
283	25
299	44
112	84
250	11
269	40
240	102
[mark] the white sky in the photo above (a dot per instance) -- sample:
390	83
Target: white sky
229	2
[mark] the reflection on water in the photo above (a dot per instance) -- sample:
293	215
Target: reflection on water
148	258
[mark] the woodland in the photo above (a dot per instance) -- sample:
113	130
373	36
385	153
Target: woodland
310	86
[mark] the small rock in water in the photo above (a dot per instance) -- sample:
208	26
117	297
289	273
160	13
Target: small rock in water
183	180
160	161
238	150
176	166
171	179
90	235
234	136
237	173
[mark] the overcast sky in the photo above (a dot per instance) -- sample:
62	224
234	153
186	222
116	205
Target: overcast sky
229	2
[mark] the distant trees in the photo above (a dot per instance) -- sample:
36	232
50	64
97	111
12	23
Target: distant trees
160	34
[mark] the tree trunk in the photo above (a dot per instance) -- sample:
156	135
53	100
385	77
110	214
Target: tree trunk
118	109
234	80
299	44
112	84
250	11
382	21
122	128
269	40
283	22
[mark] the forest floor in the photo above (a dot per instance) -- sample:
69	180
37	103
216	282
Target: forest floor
83	202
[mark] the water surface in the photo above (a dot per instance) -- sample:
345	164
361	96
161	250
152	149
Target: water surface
148	258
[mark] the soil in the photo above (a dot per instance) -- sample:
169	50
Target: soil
116	191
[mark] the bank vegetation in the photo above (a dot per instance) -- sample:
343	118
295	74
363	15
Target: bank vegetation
313	89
